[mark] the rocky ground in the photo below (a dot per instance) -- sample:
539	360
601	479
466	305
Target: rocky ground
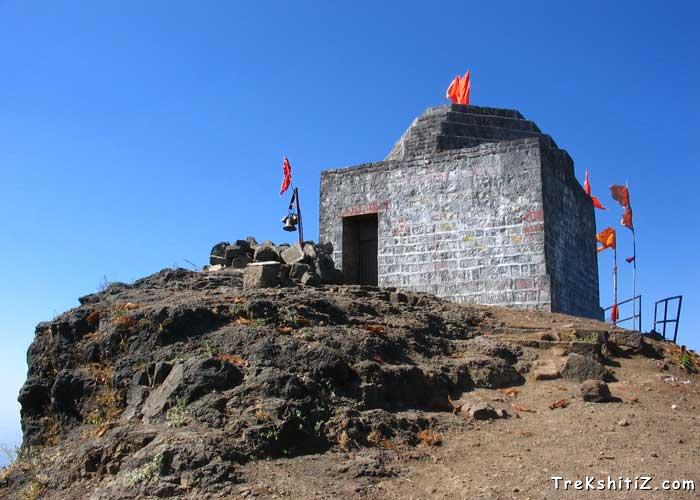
189	385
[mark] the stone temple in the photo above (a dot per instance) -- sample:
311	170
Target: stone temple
473	204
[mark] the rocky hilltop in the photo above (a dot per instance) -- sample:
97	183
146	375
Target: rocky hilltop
191	385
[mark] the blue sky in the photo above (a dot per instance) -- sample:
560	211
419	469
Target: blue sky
134	135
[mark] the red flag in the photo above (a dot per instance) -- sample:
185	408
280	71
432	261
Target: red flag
587	190
607	238
287	169
621	194
627	219
614	314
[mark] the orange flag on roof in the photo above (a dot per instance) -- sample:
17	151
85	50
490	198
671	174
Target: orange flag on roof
621	194
453	89
460	89
587	189
607	238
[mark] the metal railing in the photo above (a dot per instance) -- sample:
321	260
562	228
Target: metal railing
665	321
636	317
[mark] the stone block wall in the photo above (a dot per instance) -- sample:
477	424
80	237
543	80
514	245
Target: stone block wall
501	221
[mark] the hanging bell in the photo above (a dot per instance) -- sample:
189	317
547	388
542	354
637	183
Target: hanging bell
290	222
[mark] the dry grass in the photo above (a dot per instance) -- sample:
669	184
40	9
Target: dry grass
560	403
106	406
263	415
376	329
102	373
93	318
233	359
377	439
429	437
343	441
50	430
33	491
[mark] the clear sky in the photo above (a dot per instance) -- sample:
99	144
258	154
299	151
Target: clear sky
134	135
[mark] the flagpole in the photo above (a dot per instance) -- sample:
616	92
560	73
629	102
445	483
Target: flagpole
634	281
615	286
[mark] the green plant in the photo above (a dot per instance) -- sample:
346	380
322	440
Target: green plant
686	363
177	416
211	349
118	313
33	491
146	472
271	433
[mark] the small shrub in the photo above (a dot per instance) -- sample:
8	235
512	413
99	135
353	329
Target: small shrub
33	491
107	406
686	363
211	349
430	437
177	416
103	284
146	472
263	415
343	441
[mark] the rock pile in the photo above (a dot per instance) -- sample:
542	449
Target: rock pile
269	265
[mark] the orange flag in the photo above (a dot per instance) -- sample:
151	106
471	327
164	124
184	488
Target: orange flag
587	189
453	90
607	238
460	89
627	219
614	314
621	194
287	172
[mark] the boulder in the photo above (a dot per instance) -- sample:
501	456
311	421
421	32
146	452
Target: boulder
492	373
481	411
325	268
293	254
215	260
547	371
310	251
235	251
580	368
595	391
297	270
266	253
627	340
262	275
310	279
219	250
190	381
241	261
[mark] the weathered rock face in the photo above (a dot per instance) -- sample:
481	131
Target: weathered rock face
165	386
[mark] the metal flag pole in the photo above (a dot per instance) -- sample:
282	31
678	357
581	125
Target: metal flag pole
634	282
614	310
301	225
636	320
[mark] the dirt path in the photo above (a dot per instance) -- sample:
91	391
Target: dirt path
517	457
